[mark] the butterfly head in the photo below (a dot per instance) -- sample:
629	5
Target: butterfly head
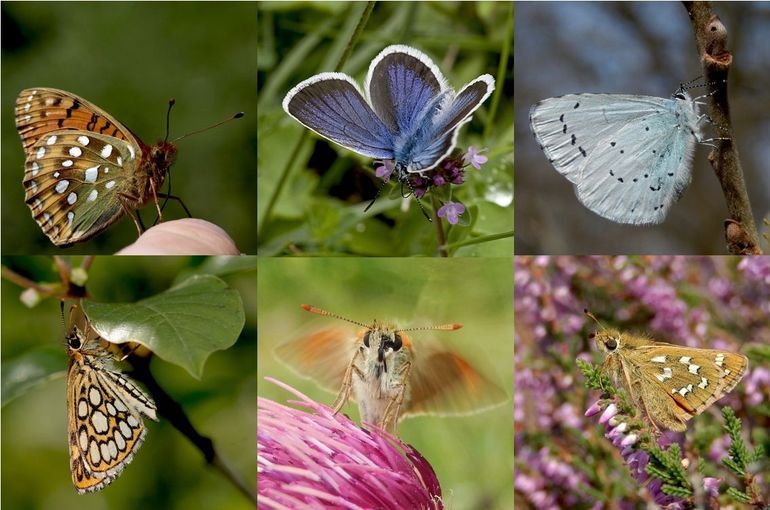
381	343
609	341
163	155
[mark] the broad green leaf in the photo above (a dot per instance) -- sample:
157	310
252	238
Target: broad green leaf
182	325
34	367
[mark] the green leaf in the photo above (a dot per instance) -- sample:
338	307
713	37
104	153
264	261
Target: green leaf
32	368
182	325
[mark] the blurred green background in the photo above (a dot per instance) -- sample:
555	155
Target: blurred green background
167	472
130	58
472	455
320	209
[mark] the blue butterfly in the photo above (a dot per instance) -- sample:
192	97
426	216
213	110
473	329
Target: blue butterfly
409	115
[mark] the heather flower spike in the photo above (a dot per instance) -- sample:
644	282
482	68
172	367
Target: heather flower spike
318	459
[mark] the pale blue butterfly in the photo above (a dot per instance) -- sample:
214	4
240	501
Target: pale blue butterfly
630	157
409	115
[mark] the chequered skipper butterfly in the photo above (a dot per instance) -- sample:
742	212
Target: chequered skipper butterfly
104	409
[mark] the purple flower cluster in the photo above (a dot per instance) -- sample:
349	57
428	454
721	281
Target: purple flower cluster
543	472
322	460
625	439
450	171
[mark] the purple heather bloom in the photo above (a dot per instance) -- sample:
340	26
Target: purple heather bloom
711	485
626	440
474	158
321	460
384	170
452	211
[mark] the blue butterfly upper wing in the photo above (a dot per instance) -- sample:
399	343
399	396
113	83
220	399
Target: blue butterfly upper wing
403	86
332	105
464	104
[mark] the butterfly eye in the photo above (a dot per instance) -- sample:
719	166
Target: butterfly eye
611	344
397	343
366	338
592	336
73	341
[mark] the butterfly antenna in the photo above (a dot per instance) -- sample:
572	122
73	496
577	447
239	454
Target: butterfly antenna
171	103
319	311
592	316
376	195
424	213
236	116
440	327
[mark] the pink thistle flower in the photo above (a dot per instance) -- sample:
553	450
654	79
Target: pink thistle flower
321	460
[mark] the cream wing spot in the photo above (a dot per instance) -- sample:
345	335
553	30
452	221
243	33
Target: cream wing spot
62	186
92	195
111	409
99	421
72	198
94	450
120	406
113	449
703	383
106	151
109	184
83	440
119	441
83	140
67	163
125	429
33	186
70	219
92	173
659	359
105	451
131	151
51	140
75	152
93	394
35	168
120	161
693	368
82	408
56	175
40	153
132	421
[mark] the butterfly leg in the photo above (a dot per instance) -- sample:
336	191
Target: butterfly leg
155	199
347	384
178	199
393	410
125	200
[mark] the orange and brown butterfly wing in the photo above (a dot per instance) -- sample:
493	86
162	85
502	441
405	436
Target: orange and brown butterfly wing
80	163
41	110
444	383
323	356
691	379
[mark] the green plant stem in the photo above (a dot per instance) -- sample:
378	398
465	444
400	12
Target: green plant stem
442	248
295	152
501	70
479	240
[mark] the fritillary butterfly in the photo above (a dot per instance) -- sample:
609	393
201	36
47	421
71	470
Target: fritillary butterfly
84	169
104	409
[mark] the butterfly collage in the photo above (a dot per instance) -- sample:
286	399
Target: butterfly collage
385	255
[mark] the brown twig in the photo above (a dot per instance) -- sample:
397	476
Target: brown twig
711	39
173	412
